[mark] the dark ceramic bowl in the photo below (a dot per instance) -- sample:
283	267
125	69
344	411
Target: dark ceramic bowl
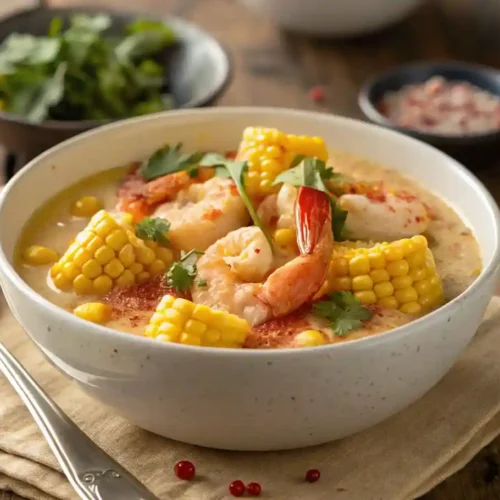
199	70
473	149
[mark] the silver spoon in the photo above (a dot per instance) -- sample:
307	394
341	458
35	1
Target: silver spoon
93	473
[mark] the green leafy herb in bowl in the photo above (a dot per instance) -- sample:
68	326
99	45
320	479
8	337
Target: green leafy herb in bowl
83	72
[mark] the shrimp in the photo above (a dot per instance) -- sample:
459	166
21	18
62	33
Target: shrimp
384	217
240	272
202	213
394	217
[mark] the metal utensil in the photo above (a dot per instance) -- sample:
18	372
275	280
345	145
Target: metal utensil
93	473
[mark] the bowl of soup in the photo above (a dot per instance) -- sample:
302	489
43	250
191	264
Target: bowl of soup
249	278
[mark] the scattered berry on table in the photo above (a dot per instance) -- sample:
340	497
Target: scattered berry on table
312	475
317	93
237	488
254	489
184	470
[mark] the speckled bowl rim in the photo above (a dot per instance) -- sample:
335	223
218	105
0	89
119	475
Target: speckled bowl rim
369	108
96	331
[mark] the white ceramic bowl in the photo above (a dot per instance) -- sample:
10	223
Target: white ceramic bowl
334	17
248	399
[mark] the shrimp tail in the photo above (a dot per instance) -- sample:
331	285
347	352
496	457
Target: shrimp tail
312	212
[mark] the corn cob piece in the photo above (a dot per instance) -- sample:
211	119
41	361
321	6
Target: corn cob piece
399	275
107	253
184	322
269	152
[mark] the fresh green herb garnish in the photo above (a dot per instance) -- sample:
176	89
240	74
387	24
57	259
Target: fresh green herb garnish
153	229
344	311
313	173
202	283
84	73
168	160
182	273
236	170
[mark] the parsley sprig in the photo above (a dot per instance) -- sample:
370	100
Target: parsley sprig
182	273
313	173
153	229
168	160
344	311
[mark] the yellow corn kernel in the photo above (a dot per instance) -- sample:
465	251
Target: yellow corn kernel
102	284
127	278
82	285
96	312
83	238
151	331
169	329
285	237
145	255
104	255
86	206
195	327
126	255
388	303
411	308
91	269
61	282
166	301
94	244
190	339
377	260
342	284
114	268
359	265
38	255
117	239
416	259
393	253
184	306
379	275
81	257
341	267
157	267
406	295
136	268
384	289
400	282
202	313
366	297
142	277
211	337
174	316
165	254
363	282
419	241
418	274
70	271
397	268
309	338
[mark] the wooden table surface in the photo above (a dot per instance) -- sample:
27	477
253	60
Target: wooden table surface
278	69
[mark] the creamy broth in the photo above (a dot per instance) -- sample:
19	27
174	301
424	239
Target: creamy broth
455	249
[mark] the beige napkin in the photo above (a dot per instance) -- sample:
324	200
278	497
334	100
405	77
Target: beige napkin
399	459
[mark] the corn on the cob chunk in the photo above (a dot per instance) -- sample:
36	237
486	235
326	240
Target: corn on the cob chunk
269	152
95	312
182	321
108	253
399	275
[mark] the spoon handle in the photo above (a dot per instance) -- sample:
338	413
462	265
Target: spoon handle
93	473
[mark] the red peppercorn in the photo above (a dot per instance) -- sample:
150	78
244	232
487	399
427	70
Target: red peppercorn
184	470
237	488
317	93
312	475
254	489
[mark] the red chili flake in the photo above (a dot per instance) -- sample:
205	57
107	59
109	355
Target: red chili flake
184	470
212	214
257	250
418	218
312	475
237	488
254	489
234	190
317	93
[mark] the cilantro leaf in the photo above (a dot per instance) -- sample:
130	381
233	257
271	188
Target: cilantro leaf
168	160
313	173
153	229
202	283
182	273
236	170
344	311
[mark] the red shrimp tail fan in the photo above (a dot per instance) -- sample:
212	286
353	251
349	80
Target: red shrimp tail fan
312	211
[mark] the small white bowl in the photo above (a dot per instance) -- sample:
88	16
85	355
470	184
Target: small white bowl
334	17
244	399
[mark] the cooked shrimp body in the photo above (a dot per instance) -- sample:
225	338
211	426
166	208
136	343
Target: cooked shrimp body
240	269
203	213
392	218
385	218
